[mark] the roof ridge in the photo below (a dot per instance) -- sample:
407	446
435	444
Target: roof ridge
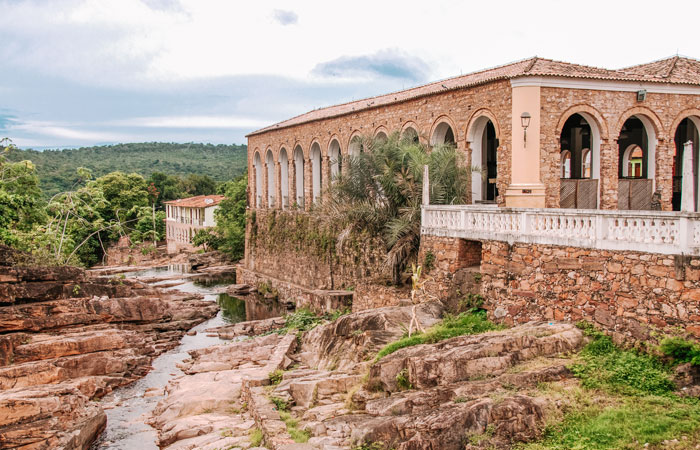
672	66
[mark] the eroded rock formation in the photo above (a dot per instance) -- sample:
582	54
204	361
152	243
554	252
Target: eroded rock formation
69	337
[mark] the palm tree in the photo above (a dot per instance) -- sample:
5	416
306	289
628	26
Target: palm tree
380	191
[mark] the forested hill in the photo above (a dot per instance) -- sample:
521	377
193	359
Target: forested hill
57	168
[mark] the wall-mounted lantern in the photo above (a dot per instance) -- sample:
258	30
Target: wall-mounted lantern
525	122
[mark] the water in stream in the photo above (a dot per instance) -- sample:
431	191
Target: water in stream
127	409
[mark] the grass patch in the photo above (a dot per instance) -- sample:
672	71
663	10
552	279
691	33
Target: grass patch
635	402
403	381
256	437
605	366
637	421
681	351
471	322
298	435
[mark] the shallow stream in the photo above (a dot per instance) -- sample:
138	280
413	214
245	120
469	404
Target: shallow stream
127	409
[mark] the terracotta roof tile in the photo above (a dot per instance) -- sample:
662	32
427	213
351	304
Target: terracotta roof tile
200	201
675	70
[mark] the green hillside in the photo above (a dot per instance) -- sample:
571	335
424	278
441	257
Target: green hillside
57	168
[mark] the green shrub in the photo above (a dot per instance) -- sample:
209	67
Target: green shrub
276	376
681	351
403	381
429	261
280	403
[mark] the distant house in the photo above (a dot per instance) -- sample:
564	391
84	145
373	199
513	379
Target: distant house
185	216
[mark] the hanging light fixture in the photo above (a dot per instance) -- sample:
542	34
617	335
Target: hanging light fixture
525	122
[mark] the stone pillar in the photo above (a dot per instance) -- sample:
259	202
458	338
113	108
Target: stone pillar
525	189
252	188
609	159
264	186
325	172
470	175
292	181
665	153
308	184
278	175
688	187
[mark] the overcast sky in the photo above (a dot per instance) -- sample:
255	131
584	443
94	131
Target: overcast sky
78	73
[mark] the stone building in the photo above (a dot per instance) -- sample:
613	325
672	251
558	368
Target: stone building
185	216
572	215
545	133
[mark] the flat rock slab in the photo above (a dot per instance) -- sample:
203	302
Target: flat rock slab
467	357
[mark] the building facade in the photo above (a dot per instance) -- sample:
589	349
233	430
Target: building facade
186	216
594	138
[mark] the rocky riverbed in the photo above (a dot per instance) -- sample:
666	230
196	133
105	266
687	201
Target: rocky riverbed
70	337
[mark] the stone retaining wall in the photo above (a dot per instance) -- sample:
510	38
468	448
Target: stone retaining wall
624	292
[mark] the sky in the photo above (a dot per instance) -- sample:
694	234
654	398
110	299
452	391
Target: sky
92	72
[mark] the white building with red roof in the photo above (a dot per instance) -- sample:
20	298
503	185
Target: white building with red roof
186	216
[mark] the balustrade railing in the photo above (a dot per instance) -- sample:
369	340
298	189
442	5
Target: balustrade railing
650	231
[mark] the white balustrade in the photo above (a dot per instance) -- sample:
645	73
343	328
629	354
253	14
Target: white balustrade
646	231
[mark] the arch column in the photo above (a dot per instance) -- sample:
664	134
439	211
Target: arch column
665	152
308	184
470	175
325	172
609	182
278	185
292	180
252	181
265	186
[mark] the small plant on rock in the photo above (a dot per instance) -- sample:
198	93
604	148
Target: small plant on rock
275	377
403	381
280	403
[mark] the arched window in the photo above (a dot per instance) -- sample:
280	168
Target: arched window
443	134
565	164
355	147
586	165
316	171
686	137
381	137
299	175
271	184
633	162
410	134
284	177
258	180
335	158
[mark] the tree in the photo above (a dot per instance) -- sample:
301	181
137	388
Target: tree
125	194
21	203
195	184
231	218
168	186
380	191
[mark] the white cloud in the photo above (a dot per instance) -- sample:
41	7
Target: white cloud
191	122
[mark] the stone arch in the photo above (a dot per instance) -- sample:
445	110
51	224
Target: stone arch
565	164
284	176
315	156
271	181
590	114
483	112
381	133
441	130
335	157
483	134
649	115
412	128
299	162
354	147
686	130
653	128
257	164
